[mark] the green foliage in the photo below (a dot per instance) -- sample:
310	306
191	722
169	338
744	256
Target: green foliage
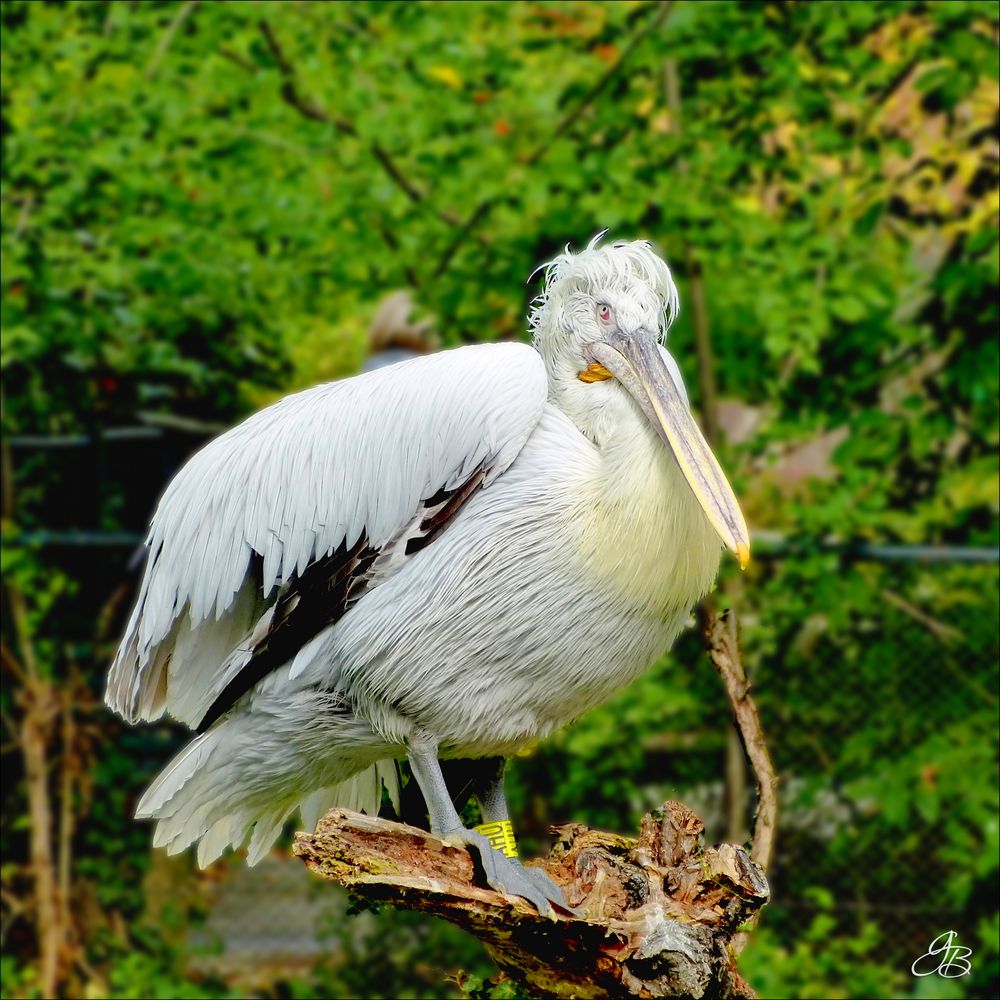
149	972
179	238
822	963
402	955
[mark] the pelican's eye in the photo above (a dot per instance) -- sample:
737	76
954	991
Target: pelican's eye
604	313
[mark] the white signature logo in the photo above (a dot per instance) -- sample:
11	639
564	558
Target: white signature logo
947	959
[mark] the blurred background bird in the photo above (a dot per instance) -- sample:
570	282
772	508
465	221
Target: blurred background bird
391	566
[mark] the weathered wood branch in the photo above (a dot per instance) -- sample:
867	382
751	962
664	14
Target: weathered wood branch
656	915
721	633
722	642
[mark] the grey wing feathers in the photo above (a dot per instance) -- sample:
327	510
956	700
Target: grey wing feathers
361	459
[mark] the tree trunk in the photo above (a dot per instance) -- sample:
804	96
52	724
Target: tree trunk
35	731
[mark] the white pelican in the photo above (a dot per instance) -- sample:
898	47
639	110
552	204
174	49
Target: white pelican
447	558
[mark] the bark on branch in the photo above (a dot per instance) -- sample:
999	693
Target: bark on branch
656	918
722	642
721	633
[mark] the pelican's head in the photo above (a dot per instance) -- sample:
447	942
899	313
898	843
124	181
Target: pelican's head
599	324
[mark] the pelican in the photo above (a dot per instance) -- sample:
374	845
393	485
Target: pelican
450	557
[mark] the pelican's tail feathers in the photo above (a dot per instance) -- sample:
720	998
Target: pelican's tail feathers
251	771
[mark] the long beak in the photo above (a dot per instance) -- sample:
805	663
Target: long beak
636	362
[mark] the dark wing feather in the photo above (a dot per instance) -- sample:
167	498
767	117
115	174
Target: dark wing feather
327	590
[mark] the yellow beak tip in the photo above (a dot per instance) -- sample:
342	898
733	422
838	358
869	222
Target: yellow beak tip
743	554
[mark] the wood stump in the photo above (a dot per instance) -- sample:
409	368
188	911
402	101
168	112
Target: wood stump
657	914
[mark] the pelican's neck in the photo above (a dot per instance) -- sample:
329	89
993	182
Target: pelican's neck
629	438
646	530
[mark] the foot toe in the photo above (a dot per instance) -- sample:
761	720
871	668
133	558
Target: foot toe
549	888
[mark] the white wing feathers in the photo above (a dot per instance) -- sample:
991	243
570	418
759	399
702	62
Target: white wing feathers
293	482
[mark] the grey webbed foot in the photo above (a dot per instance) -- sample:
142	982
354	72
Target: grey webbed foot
510	877
547	886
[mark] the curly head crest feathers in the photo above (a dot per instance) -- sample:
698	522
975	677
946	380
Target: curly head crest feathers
620	268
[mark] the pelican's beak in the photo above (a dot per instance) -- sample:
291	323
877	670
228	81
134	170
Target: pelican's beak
637	363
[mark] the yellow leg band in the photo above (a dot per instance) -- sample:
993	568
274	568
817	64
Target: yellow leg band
500	836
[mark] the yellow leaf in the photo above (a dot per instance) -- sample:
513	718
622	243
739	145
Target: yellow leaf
116	75
446	75
21	110
807	71
662	122
826	166
748	203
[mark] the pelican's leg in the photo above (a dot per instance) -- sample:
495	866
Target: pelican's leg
488	789
501	873
487	786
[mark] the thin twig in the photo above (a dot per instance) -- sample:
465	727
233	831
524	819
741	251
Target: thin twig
67	817
703	344
24	216
10	662
944	634
34	736
6	468
937	628
480	212
312	110
290	87
235	57
179	18
411	191
22	632
15	907
722	643
108	19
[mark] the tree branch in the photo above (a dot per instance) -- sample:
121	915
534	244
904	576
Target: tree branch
937	628
657	915
465	231
722	642
290	87
235	57
309	108
38	704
